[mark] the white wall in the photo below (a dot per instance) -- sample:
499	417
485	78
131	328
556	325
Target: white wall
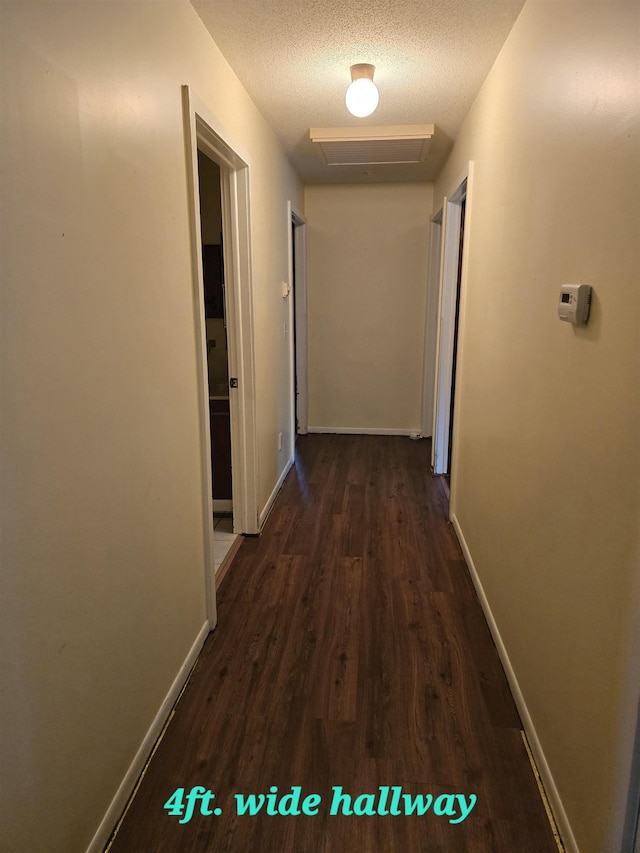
546	450
367	250
103	543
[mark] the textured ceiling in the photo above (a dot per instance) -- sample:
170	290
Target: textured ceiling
293	57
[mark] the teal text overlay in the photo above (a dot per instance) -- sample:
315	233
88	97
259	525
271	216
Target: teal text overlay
390	801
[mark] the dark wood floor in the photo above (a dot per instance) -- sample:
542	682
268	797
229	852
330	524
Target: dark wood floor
351	651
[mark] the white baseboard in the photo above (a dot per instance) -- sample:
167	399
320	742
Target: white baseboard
267	507
363	430
559	814
128	784
221	505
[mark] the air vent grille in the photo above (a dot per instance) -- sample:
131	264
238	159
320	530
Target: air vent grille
372	146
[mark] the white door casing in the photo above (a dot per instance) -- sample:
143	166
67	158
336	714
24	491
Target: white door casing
431	327
202	131
297	229
449	264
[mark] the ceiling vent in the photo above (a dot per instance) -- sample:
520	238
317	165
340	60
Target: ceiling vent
372	146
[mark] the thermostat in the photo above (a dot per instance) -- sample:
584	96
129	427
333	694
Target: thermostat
574	303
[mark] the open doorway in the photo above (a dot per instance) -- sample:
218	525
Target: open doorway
204	134
212	238
456	324
454	227
431	326
298	323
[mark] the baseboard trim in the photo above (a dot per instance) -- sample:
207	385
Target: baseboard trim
228	559
128	784
364	430
559	814
222	505
267	507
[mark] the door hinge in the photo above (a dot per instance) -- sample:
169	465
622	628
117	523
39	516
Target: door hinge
233	382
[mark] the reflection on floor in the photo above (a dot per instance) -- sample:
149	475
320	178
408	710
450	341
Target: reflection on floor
223	538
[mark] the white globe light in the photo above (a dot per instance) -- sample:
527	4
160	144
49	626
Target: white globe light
362	97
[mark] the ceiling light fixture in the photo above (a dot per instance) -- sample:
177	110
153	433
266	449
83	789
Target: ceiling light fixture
362	96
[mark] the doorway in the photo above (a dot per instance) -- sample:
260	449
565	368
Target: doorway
454	229
298	322
456	324
431	327
204	134
212	239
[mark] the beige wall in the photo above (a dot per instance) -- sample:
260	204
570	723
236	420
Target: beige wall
367	252
546	461
103	546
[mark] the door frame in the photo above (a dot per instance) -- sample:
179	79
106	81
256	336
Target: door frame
448	291
204	132
431	327
297	231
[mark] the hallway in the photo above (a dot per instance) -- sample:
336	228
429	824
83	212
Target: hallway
350	651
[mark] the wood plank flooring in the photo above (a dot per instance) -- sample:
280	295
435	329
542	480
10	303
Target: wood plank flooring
351	651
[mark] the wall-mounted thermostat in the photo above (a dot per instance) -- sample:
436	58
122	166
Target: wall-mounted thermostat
574	303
